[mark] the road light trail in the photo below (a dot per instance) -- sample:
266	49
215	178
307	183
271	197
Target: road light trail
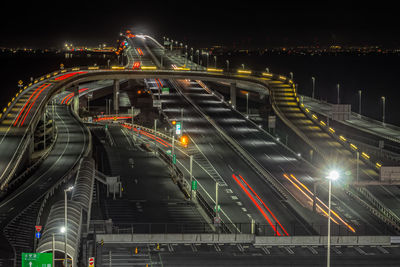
258	206
272	214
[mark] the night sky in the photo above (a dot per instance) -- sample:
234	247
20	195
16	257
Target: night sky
202	23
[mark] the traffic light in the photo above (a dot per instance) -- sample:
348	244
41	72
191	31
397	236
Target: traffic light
173	122
184	140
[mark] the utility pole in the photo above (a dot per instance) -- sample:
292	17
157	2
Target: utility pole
191	175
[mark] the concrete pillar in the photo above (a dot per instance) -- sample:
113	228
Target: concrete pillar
116	95
75	90
233	95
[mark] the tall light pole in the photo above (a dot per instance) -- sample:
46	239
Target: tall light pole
383	109
313	87
338	96
333	175
215	61
207	54
66	222
227	65
359	103
247	104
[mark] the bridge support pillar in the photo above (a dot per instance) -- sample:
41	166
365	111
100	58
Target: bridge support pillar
233	95
75	90
116	96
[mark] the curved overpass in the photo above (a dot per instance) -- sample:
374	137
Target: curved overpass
280	88
20	117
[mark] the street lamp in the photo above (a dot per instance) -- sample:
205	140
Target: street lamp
215	61
383	110
338	89
227	65
247	104
65	228
313	87
359	103
332	176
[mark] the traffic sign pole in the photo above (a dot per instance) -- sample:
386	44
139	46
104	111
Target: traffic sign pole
191	175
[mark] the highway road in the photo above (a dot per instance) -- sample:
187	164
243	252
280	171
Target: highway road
228	165
283	164
290	169
71	144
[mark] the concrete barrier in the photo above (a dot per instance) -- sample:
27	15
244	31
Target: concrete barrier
245	238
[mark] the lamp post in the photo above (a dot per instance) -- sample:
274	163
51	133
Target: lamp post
247	104
313	87
215	61
383	109
66	222
359	103
338	89
227	65
207	54
333	175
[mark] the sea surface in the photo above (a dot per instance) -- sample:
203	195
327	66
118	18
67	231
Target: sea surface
375	75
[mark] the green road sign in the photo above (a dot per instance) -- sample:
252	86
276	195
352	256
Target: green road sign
194	185
165	91
37	259
174	159
219	208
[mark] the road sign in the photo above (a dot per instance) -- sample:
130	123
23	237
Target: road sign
37	259
194	185
174	159
91	262
165	91
38	235
178	128
20	82
38	228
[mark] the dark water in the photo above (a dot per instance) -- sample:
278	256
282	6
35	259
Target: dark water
375	75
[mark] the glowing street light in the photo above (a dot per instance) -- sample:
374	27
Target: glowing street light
332	176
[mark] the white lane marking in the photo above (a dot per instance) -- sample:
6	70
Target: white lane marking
230	167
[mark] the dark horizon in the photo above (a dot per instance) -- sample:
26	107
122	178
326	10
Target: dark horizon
204	23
